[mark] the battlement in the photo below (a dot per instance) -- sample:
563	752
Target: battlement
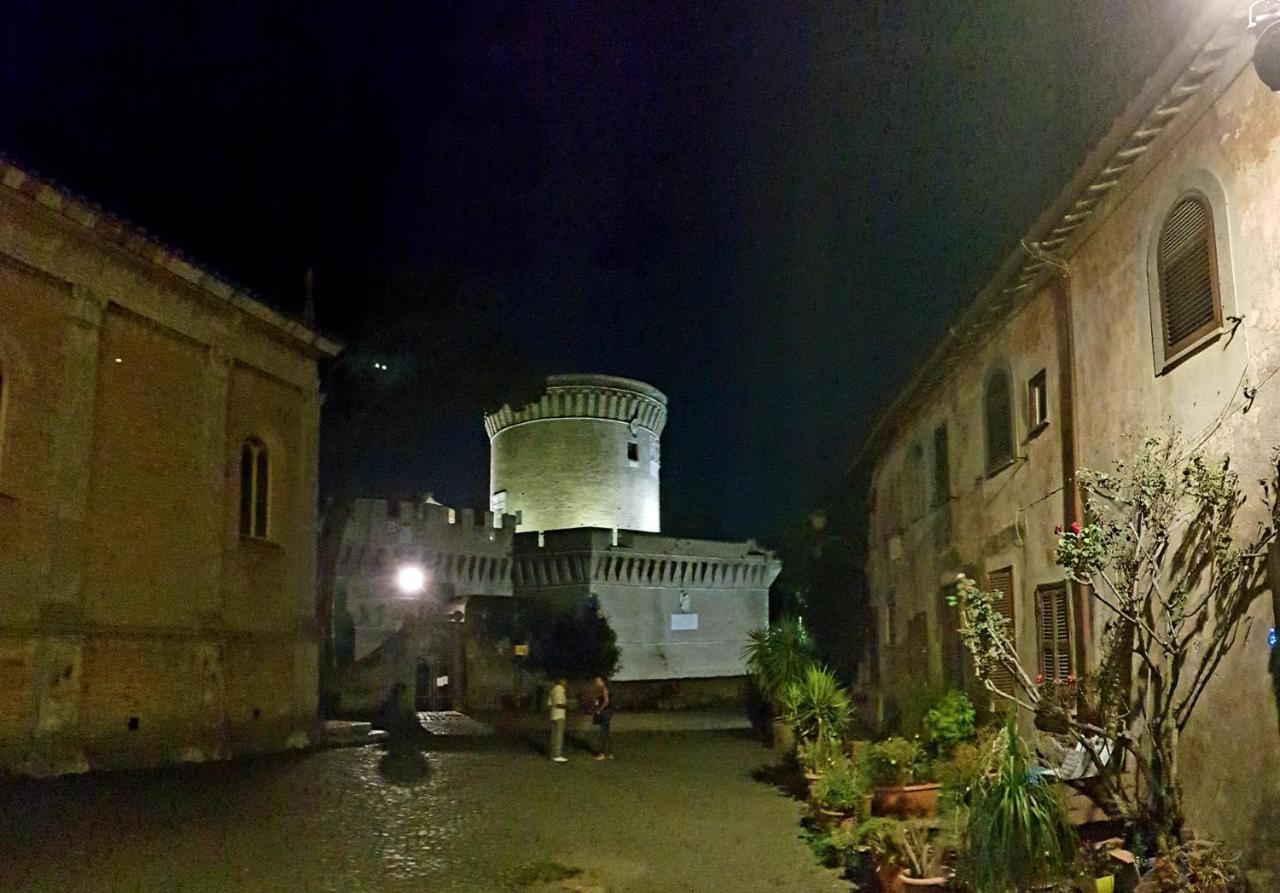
605	397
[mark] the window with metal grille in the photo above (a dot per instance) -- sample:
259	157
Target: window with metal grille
1001	582
998	412
941	466
255	485
1187	266
1053	631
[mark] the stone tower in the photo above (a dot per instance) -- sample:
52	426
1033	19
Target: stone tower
584	455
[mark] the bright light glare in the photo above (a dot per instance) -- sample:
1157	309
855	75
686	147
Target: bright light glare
411	580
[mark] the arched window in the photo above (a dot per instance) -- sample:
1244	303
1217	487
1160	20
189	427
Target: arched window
255	488
997	403
1187	268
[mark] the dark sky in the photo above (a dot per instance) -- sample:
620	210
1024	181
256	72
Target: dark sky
768	210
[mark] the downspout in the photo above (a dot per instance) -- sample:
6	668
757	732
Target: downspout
1072	502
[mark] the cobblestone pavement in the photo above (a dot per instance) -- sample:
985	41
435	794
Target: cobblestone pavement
673	812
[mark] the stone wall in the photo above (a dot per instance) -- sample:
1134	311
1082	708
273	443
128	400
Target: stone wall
586	455
681	608
136	625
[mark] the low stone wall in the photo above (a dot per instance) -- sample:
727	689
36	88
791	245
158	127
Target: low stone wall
680	694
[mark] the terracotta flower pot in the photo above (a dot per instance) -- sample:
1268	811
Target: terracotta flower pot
889	878
920	800
909	881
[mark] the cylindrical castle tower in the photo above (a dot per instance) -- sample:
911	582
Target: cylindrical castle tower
585	455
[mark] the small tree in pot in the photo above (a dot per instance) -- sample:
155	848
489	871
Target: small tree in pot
1165	565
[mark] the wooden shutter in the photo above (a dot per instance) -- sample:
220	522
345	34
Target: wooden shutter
941	466
999	418
1054	632
1001	582
1188	272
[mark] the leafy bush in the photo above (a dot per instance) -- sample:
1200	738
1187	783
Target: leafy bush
1018	829
842	786
816	707
949	722
894	762
571	640
1200	866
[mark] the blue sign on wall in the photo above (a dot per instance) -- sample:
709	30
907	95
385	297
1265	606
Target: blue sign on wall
1271	637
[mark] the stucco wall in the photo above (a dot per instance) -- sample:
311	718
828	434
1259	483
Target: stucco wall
1231	751
135	625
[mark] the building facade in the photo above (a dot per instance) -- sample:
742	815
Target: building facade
158	434
1146	301
576	474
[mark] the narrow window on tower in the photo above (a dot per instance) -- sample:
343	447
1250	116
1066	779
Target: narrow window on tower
254	488
633	452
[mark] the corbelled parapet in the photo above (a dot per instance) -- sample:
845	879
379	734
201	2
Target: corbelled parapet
588	397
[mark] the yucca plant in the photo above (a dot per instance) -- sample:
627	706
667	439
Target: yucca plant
816	707
1018	830
777	655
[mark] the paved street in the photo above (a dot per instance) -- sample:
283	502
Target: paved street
673	812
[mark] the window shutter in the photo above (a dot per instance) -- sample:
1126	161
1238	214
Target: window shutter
941	466
1001	582
999	421
1054	631
1188	275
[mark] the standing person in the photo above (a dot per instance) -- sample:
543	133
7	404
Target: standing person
603	714
556	701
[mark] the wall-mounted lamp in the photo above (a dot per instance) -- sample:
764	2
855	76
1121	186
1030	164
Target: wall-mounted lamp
411	579
1264	23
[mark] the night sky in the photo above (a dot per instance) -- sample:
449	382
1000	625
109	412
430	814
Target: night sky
768	210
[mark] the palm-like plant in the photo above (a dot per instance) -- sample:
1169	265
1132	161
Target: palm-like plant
816	707
1019	833
777	655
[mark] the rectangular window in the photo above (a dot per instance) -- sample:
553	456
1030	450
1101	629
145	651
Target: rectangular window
1001	581
1054	626
633	451
941	466
1037	403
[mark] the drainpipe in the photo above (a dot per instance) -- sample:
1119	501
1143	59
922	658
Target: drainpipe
1072	502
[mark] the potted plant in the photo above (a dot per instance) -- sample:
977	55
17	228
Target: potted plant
839	795
951	721
1018	831
894	765
879	839
919	856
776	656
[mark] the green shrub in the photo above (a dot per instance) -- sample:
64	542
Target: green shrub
894	762
949	722
842	786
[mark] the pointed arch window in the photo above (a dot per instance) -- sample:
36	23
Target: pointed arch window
997	403
255	488
1187	269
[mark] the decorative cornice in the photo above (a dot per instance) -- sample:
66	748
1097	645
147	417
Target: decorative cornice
648	571
588	397
1206	61
137	242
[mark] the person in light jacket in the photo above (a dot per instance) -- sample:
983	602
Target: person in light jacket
556	701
